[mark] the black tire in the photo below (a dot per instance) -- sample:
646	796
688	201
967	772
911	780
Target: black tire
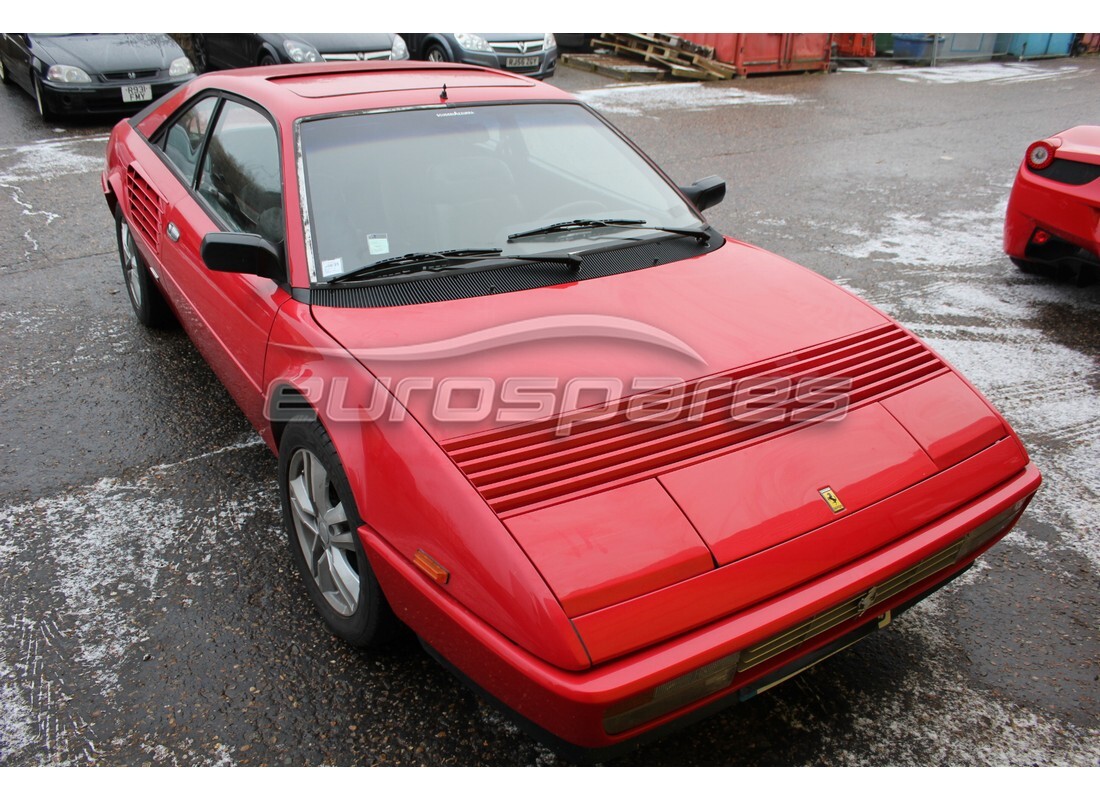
198	52
321	521
148	303
1029	267
267	60
43	109
436	52
4	77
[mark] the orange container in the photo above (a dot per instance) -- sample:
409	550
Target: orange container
854	45
757	53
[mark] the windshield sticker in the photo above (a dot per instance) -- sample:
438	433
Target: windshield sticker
378	243
334	266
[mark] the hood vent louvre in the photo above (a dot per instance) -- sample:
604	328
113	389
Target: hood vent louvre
523	467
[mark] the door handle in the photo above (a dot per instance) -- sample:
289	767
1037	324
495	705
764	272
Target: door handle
173	232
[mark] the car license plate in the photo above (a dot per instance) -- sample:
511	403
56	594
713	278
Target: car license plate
137	93
525	61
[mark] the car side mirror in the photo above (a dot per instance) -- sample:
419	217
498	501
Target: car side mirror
705	192
245	253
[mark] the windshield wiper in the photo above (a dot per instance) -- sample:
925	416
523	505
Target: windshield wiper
426	258
581	224
443	261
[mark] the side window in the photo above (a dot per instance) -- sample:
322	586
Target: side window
240	172
184	139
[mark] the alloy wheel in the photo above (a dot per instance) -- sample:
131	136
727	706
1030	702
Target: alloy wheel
325	534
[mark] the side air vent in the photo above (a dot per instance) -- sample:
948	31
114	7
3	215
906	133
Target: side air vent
146	208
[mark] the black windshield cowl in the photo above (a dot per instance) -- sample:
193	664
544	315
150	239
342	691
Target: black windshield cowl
446	260
584	224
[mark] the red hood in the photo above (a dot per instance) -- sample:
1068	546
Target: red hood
619	507
735	306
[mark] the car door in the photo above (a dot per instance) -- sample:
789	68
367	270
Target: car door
17	59
227	153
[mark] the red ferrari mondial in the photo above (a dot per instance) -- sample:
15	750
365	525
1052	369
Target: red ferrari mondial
1053	217
612	467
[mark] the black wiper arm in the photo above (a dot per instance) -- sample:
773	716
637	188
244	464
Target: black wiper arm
442	261
575	224
578	224
378	268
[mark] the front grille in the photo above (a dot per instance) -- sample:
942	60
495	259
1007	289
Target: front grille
857	606
528	48
140	74
524	466
1075	173
371	55
145	207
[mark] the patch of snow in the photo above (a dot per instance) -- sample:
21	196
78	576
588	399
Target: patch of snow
637	100
951	239
997	73
48	159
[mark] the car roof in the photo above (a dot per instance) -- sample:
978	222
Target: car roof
297	90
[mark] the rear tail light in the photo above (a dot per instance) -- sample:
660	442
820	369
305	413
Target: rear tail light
1040	155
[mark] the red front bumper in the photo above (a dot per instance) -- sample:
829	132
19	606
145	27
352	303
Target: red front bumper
570	708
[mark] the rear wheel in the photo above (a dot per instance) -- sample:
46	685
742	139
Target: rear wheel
1030	267
322	524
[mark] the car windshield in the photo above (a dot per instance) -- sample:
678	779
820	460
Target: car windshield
381	185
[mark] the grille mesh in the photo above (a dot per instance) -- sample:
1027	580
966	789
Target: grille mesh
850	609
521	467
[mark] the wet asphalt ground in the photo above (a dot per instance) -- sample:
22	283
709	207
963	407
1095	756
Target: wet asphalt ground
150	614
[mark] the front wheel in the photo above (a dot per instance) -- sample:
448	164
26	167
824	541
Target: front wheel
43	110
322	523
198	52
437	54
4	78
148	303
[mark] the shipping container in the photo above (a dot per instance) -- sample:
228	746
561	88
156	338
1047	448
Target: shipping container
1035	45
926	48
854	45
1087	43
759	53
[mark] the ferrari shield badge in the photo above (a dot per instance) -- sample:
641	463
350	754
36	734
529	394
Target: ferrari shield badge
829	496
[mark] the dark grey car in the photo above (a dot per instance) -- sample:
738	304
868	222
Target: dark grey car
531	54
69	73
230	50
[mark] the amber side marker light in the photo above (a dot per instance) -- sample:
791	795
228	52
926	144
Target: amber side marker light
432	568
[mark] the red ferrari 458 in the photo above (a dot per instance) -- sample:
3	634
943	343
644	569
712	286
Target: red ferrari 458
614	468
1053	219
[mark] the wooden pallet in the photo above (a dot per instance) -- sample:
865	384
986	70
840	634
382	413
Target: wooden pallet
683	59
